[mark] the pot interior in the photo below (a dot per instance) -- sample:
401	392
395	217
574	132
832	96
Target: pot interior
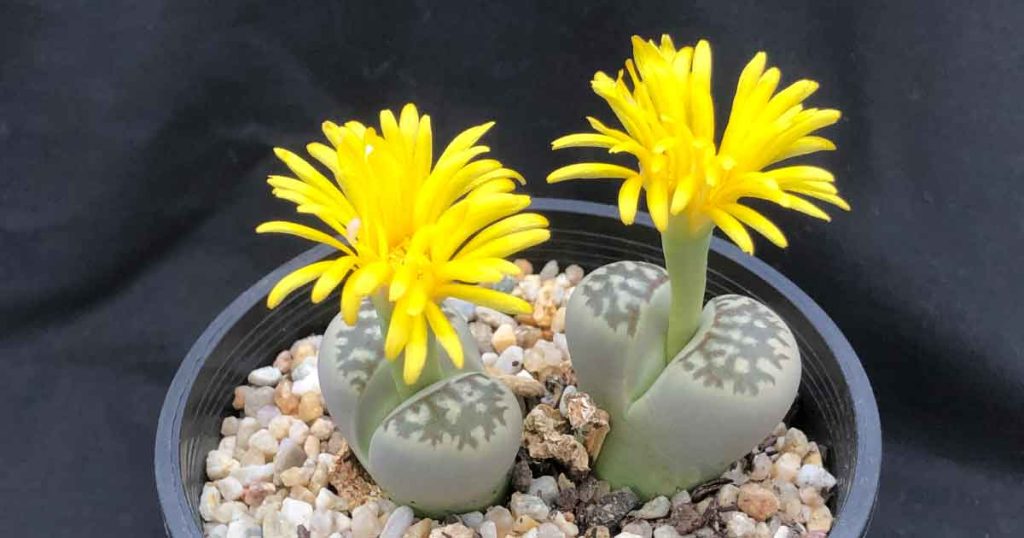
248	335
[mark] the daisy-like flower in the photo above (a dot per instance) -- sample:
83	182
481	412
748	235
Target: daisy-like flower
410	232
668	118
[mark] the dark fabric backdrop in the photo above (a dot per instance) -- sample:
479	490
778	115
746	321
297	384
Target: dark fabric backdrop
135	138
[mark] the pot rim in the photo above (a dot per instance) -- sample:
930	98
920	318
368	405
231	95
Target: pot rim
857	510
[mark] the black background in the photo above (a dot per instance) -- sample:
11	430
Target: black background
135	137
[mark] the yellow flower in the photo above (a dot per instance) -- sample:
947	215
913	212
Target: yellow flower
669	123
418	231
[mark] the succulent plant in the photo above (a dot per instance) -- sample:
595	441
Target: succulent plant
690	387
400	374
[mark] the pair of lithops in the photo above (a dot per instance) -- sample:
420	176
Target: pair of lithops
690	387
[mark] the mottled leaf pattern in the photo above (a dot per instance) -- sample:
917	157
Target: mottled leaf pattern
745	341
360	348
618	291
465	411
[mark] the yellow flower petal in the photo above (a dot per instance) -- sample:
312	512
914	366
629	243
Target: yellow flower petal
445	334
332	277
295	280
486	297
629	196
304	232
590	171
415	351
758	222
733	229
398	333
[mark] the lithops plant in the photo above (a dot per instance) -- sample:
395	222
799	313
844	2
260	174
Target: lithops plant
399	371
690	387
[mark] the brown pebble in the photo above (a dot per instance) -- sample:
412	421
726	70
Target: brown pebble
284	399
525	266
310	407
419	530
820	520
757	501
255	493
301	351
283	361
523	524
239	402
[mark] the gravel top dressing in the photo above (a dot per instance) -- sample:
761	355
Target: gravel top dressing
282	469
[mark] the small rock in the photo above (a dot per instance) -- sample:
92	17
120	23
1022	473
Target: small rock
529	505
493	318
246	427
229	426
598	531
568	528
655	508
786	467
365	523
503	337
228	512
543	439
545	487
727	496
241	393
761	467
252	456
666	531
398	522
257	399
322	428
482	334
311	446
549	530
820	519
228	444
321	523
254	473
814	458
638	528
465	309
488	530
296	476
795	442
609	509
230	488
296	512
209	501
549	271
472	520
285	399
738	525
627	535
816	477
811	497
510	361
256	493
525	524
489	358
306	385
523	384
266	414
242	528
680	498
219	464
216	531
263	441
784	532
757	501
685	518
283	361
310	407
762	530
527	336
574	273
502	519
298	431
419	530
289	455
524	266
558	320
455	530
266	376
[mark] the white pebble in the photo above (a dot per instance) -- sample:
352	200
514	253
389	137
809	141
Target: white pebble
267	376
321	522
472	520
227	444
229	426
217	531
296	512
529	505
257	398
279	425
322	428
627	535
399	520
310	383
655	508
816	477
290	454
549	530
298	432
264	442
242	528
739	525
327	500
302	371
666	531
488	530
638	528
254	473
266	414
364	521
230	488
209	500
489	358
219	464
246	428
510	361
786	467
229	511
545	487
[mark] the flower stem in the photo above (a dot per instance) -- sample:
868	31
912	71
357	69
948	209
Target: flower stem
431	370
686	259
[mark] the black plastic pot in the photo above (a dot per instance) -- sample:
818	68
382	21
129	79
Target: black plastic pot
836	405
